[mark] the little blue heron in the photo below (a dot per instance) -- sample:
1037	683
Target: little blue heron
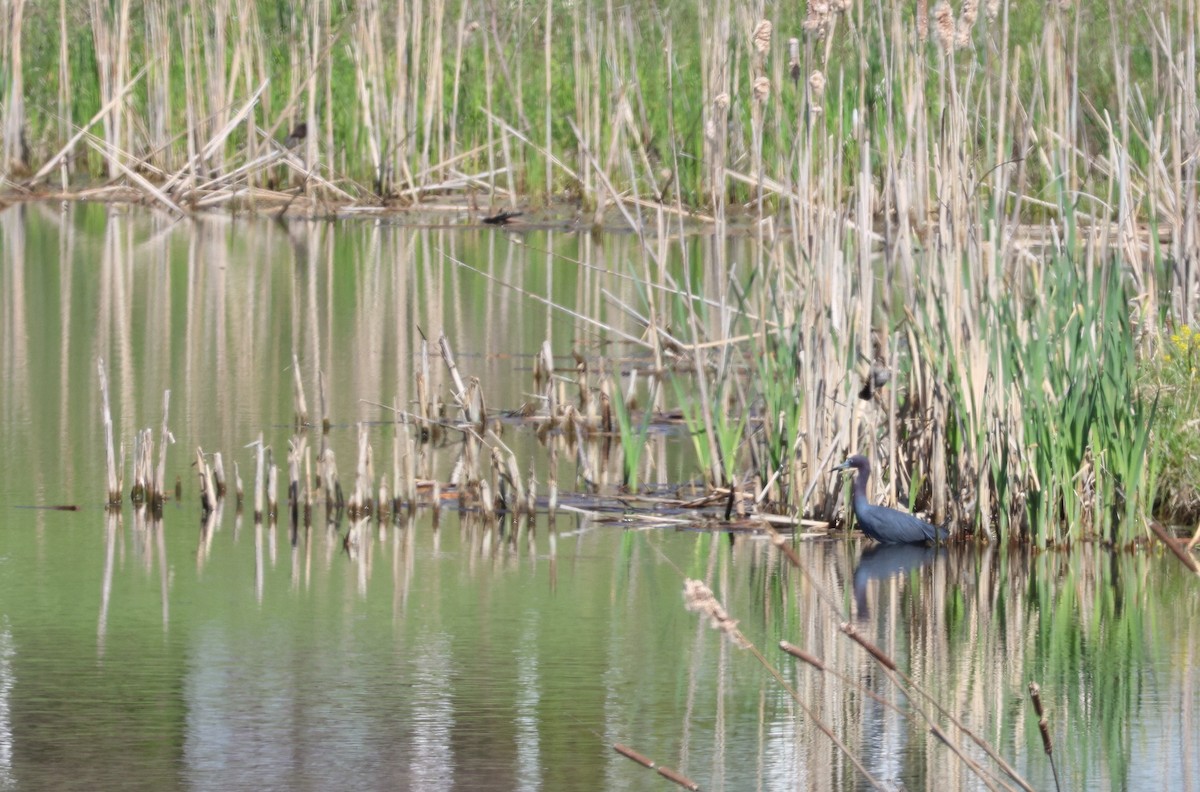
882	524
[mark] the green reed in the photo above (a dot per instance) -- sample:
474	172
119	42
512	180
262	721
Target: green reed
632	433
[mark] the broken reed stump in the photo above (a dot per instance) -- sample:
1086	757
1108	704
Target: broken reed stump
259	464
328	475
307	486
208	490
164	437
237	486
114	485
383	504
474	406
272	489
138	492
360	498
219	474
297	447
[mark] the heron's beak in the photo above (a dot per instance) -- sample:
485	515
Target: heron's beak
844	466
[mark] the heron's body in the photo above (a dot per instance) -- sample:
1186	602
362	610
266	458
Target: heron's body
884	525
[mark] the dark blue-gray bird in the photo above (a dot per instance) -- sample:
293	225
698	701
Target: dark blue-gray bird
882	524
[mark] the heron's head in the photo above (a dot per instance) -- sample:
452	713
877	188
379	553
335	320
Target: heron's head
856	462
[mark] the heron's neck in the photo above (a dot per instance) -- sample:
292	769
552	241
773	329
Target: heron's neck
860	485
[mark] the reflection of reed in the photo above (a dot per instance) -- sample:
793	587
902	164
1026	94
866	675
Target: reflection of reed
882	562
112	525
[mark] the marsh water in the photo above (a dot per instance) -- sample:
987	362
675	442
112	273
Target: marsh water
449	651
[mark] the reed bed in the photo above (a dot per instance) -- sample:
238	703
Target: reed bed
1003	435
706	108
997	208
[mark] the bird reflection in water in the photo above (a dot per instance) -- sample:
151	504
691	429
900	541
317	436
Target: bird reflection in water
884	561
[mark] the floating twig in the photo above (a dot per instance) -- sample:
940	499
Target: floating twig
1174	546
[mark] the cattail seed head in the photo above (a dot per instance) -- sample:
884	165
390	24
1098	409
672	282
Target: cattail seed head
943	23
816	83
762	89
699	598
817	21
966	22
762	37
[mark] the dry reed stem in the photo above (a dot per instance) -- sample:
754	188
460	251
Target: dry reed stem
165	438
901	680
678	778
1173	545
699	598
103	148
259	483
629	753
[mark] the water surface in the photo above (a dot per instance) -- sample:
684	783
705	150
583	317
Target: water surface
466	653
